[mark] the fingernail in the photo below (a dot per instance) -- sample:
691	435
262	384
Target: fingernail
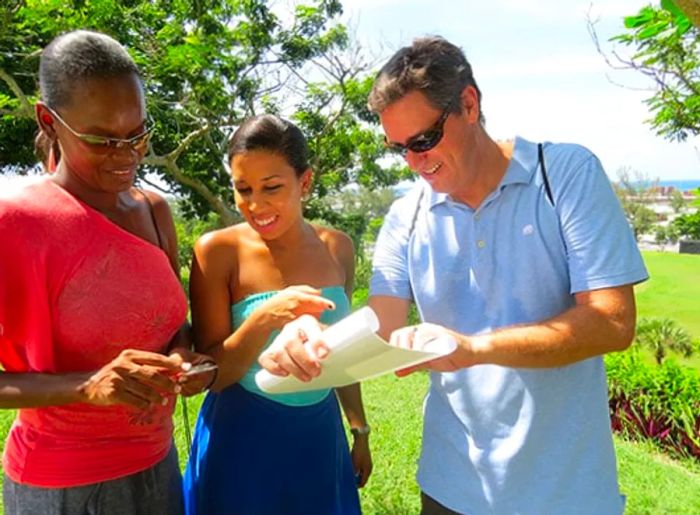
322	352
186	366
177	388
164	401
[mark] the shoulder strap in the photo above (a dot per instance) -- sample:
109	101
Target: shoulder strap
153	217
412	227
415	213
543	170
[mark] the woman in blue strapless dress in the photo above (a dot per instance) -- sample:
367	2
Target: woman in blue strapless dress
256	453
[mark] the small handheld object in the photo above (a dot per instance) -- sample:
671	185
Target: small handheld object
201	368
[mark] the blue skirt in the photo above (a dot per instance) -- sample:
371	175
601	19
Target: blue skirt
253	456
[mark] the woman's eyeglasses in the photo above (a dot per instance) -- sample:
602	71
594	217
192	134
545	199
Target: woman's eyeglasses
138	143
425	140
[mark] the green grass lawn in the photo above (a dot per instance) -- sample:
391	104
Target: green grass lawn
652	483
673	289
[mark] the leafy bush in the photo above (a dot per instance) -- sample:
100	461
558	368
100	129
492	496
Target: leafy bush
188	232
688	225
666	234
363	274
660	403
663	335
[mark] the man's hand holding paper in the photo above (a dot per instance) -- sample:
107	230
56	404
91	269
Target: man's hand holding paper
426	336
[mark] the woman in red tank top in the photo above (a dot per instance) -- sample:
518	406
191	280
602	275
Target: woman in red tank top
93	336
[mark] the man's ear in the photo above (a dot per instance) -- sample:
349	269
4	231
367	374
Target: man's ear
470	104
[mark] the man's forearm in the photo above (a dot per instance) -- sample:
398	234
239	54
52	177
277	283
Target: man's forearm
585	330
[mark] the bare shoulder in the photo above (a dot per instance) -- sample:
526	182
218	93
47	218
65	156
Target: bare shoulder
161	208
339	244
220	243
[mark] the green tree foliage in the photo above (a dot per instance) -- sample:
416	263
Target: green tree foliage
667	49
345	148
634	193
188	231
663	335
677	201
666	234
208	64
367	206
688	225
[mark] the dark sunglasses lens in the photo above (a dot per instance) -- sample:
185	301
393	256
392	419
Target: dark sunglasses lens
399	149
395	147
425	141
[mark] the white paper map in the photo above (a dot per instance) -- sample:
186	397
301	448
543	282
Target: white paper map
356	353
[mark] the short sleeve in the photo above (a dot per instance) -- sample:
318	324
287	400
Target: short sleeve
25	321
601	249
390	275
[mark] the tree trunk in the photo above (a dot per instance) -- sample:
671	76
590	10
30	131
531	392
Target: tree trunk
691	8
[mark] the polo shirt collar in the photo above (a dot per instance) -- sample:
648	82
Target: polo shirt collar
523	163
520	170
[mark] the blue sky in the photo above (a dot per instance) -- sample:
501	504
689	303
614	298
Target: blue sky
539	72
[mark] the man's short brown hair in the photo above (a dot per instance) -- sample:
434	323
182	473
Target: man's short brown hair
431	65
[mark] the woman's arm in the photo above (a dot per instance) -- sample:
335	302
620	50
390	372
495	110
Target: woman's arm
213	263
33	390
136	378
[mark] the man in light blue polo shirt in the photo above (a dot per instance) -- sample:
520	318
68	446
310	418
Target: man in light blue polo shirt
524	256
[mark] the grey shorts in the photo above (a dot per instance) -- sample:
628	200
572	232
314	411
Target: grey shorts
154	491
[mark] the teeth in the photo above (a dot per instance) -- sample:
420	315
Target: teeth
431	171
265	221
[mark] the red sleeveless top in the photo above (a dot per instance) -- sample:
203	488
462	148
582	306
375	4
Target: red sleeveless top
76	290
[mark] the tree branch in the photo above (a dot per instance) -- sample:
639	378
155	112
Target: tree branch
155	186
187	141
171	168
11	112
168	163
26	108
691	8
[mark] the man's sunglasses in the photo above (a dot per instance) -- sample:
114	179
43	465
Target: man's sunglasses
138	143
425	140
